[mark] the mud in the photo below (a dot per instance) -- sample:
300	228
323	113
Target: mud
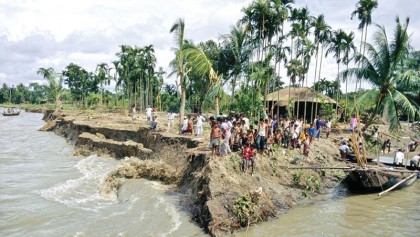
219	196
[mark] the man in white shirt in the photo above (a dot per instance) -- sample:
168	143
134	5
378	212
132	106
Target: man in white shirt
399	157
199	124
149	113
170	117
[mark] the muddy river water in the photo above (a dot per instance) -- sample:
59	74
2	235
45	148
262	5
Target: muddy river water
46	191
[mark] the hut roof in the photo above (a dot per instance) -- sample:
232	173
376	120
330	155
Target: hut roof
281	97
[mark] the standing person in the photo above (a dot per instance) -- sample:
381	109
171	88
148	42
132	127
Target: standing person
270	124
353	123
133	113
170	116
184	125
306	145
319	124
149	113
311	133
215	135
270	142
295	136
387	144
399	157
275	123
247	158
225	148
243	118
154	122
328	127
262	133
199	125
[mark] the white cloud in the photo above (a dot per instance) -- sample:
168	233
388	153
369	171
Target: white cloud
44	33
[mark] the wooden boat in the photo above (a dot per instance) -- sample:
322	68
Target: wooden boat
11	113
374	179
366	178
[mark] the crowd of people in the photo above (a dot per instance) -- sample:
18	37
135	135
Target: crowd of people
235	133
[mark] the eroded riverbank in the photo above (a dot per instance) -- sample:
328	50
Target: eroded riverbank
210	187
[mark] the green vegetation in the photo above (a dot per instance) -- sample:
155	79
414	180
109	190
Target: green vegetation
235	73
244	208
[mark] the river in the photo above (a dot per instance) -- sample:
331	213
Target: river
46	191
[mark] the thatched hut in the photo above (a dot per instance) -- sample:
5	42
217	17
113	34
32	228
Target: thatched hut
278	101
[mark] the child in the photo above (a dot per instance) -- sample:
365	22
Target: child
170	116
153	123
184	125
277	136
247	158
306	145
250	136
328	127
302	138
133	113
215	136
270	142
311	133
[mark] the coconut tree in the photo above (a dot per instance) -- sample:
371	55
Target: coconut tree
180	68
336	47
55	85
295	70
236	54
282	9
102	75
322	34
381	68
348	51
364	9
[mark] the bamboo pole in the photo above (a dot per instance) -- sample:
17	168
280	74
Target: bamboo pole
396	185
317	168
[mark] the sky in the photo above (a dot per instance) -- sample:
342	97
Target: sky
55	33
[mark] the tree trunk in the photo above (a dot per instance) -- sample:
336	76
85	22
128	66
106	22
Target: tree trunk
182	109
319	77
345	107
233	87
316	68
337	88
358	65
265	93
216	104
364	47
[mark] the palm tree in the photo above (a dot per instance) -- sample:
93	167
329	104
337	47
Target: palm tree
381	69
159	82
364	9
295	70
237	53
322	34
282	9
348	51
103	76
180	68
55	86
336	48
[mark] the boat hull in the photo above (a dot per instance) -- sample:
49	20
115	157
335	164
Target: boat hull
376	180
11	114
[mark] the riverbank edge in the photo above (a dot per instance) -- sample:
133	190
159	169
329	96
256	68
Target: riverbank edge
220	198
